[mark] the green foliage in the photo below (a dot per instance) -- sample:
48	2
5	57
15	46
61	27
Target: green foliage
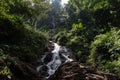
16	38
112	67
105	50
44	29
29	10
89	18
100	4
39	11
23	43
77	26
61	38
98	16
76	40
26	44
4	70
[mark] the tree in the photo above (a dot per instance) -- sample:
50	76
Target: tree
30	10
101	14
54	15
96	17
39	10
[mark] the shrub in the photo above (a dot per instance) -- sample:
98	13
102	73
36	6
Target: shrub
4	70
105	50
19	40
76	40
61	38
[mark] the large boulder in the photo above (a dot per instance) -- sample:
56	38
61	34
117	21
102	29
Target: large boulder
75	71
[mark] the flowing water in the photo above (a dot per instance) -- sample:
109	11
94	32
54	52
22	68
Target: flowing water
53	59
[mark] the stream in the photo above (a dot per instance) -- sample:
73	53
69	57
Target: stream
53	59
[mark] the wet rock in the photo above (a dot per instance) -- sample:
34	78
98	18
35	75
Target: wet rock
43	70
64	51
75	71
48	58
51	46
62	58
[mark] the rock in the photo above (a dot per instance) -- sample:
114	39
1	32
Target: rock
23	71
48	58
44	69
75	71
51	46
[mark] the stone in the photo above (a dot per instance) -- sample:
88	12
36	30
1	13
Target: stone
23	71
48	58
75	71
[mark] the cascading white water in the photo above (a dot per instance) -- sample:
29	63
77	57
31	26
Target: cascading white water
53	60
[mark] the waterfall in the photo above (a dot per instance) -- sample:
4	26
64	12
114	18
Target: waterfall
53	59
